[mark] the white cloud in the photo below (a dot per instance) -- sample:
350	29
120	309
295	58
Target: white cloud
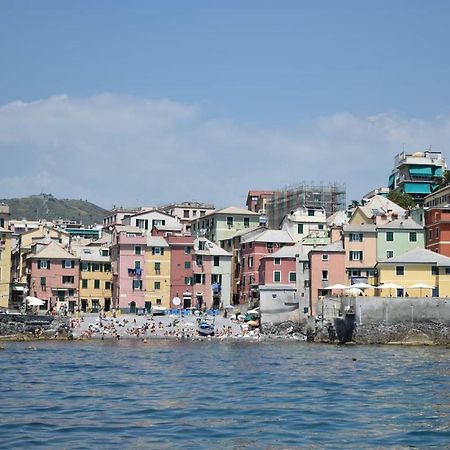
115	149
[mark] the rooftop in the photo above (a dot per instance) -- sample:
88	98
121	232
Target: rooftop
419	256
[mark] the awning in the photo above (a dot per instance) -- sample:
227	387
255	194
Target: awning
417	188
421	171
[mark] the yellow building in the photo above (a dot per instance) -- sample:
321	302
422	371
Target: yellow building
95	278
157	273
5	256
414	267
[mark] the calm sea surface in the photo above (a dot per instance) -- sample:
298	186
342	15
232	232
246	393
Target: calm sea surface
222	395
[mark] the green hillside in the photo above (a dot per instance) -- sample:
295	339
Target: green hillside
47	207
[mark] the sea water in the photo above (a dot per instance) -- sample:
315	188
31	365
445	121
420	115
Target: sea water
224	395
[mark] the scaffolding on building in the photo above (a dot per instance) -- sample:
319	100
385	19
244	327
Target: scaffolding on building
331	197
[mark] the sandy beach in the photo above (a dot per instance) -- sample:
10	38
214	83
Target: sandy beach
163	326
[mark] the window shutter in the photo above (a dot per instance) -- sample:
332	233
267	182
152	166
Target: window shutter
73	264
39	263
153	250
48	265
162	250
62	263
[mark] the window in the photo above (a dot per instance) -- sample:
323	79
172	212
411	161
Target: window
399	271
243	262
71	292
96	284
430	234
320	226
187	250
325	275
324	257
137	264
158	302
250	261
389	236
434	270
157	251
198	278
250	245
354	273
199	260
310	212
107	285
292	277
157	268
412	236
246	222
137	284
216	261
107	267
84	284
243	246
68	279
84	267
202	213
269	245
188	281
436	232
68	264
138	250
157	285
389	253
105	252
307	284
186	214
300	228
43	281
230	221
277	276
306	265
187	264
355	237
356	255
277	261
43	265
96	267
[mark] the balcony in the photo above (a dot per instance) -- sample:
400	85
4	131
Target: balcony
134	272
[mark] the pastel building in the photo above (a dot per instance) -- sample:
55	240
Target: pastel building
185	212
54	276
211	274
5	256
416	266
224	223
437	228
181	271
127	261
95	279
146	220
280	266
378	210
397	237
254	246
360	243
327	268
308	225
157	273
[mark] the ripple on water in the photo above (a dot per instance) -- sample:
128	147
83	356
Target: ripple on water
222	395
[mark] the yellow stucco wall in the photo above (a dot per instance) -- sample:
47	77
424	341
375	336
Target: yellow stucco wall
5	268
150	277
358	218
414	273
90	293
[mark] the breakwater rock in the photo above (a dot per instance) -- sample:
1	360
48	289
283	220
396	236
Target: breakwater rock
35	326
407	333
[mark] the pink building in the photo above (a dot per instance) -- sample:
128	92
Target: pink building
127	261
54	276
327	267
255	246
181	273
279	266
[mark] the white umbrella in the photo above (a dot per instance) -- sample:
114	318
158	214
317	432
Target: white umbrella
353	291
229	307
34	301
421	286
389	286
335	286
361	286
253	311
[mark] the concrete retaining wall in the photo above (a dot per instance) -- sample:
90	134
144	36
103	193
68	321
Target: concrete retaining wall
389	310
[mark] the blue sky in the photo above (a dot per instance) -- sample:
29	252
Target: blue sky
287	88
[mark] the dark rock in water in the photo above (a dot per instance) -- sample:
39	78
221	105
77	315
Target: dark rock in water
345	327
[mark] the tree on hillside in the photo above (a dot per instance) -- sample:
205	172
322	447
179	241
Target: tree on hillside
401	199
445	180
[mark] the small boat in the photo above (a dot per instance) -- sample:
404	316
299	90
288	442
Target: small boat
205	329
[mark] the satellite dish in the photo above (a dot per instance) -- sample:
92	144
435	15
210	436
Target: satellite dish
176	301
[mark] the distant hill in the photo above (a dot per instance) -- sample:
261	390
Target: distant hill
47	207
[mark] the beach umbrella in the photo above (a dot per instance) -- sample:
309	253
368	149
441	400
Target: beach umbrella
254	311
34	301
361	286
421	286
353	291
389	286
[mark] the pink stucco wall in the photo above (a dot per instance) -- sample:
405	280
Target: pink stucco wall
336	273
268	267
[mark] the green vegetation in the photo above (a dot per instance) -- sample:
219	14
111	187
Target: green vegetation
47	207
401	199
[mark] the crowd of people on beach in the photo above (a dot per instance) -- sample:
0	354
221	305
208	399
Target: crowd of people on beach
156	327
